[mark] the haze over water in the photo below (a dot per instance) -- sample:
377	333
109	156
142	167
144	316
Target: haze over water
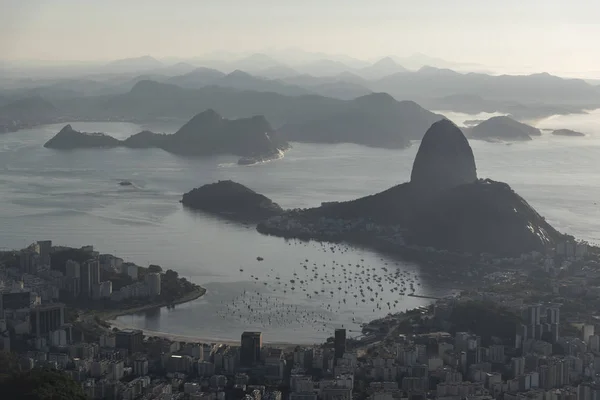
74	199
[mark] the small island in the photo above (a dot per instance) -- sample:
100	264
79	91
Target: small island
502	128
206	134
567	132
231	200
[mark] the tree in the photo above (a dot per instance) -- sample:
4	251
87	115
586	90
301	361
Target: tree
170	274
154	268
9	365
41	384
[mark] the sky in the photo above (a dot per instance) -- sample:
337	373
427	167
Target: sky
542	35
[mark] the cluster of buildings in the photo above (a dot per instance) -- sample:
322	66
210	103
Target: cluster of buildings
540	364
127	365
81	280
541	361
30	292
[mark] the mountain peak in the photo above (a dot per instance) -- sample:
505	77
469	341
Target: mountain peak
238	74
387	62
444	159
428	69
66	128
376	98
206	116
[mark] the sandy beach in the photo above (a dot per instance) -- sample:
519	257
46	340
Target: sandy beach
193	339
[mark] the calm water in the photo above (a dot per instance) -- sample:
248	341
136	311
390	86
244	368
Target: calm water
74	198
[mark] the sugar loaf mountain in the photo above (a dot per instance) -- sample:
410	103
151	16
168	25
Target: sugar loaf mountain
205	134
444	206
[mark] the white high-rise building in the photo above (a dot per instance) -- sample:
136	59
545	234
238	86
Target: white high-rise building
153	280
586	331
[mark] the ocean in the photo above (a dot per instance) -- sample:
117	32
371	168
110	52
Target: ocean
74	198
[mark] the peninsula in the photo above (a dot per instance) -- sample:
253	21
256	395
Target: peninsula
231	200
93	287
444	206
205	134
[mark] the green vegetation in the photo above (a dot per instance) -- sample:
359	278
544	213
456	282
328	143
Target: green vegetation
174	287
41	384
154	268
485	319
59	258
9	365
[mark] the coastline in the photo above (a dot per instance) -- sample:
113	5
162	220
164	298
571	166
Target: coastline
109	315
198	339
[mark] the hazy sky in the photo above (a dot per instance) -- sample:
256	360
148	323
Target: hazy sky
550	35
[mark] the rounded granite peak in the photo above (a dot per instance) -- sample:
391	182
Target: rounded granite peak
444	160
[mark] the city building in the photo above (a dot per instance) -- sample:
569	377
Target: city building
339	343
129	339
44	247
153	282
251	346
90	276
140	367
46	318
15	300
29	261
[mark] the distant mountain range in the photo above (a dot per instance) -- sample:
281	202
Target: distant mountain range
523	97
373	120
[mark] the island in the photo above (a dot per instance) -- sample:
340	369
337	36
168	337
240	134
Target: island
445	206
69	138
205	134
502	128
567	132
231	200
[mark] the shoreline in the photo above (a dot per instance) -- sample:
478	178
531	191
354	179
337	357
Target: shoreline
198	339
111	315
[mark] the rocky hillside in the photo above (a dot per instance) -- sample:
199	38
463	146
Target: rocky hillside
68	138
208	133
444	206
444	159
